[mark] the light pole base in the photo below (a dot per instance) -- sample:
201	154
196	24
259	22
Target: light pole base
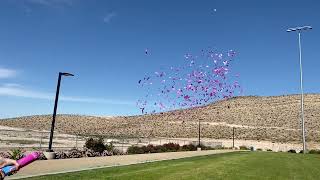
49	155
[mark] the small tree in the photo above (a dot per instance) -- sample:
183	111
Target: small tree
97	145
109	147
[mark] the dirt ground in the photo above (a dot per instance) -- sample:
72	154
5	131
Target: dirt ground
27	139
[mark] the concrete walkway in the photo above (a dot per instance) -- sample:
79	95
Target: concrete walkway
57	166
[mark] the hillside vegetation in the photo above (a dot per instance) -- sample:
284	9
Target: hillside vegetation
256	118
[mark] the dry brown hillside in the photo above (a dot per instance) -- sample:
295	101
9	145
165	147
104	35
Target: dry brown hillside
256	118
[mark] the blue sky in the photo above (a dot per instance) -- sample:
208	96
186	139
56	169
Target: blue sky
103	43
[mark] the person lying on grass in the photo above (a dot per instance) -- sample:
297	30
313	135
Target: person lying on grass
7	162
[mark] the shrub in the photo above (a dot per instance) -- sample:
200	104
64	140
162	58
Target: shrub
259	149
61	155
117	152
97	145
75	153
160	148
189	147
106	153
150	149
42	156
109	147
92	153
144	149
223	147
171	147
218	147
292	151
5	155
203	147
269	149
314	151
16	154
135	150
244	148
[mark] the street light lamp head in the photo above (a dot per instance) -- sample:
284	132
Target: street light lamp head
290	30
66	74
299	28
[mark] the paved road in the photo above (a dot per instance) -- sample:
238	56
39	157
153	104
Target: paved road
72	165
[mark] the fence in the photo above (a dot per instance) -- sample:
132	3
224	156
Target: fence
31	140
10	139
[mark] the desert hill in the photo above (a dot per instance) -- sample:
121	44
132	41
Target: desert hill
273	118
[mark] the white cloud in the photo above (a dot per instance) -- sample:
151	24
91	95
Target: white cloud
28	5
40	2
7	73
49	2
11	85
108	17
19	91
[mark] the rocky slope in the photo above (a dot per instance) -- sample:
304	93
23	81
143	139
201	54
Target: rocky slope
256	118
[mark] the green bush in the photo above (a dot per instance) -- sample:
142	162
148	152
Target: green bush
292	151
218	147
116	151
269	149
314	151
109	147
244	148
160	148
171	147
189	147
16	154
135	150
150	149
203	147
259	149
97	145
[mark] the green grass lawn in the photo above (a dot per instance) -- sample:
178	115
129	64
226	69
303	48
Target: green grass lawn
238	165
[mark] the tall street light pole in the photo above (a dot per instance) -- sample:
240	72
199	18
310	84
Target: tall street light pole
199	133
299	30
55	108
233	138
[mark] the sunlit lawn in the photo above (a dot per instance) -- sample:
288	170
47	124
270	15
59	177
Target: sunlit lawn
238	165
